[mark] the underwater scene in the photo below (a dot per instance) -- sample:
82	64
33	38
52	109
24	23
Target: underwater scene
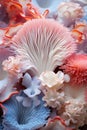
43	64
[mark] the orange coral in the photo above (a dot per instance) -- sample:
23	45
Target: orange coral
79	32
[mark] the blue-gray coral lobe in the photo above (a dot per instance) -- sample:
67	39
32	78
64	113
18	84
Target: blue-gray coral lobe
19	117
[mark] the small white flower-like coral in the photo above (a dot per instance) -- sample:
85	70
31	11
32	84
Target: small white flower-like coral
43	43
69	12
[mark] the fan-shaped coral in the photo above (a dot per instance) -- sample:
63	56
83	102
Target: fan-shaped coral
43	43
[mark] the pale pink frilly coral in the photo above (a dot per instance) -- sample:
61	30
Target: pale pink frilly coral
75	108
69	12
13	66
6	83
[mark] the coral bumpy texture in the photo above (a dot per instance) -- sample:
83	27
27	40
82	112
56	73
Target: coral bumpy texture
43	65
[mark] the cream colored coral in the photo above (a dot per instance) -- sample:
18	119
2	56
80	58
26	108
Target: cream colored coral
51	80
75	114
69	12
53	98
75	111
52	85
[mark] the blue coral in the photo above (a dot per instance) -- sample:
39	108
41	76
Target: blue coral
1	126
19	117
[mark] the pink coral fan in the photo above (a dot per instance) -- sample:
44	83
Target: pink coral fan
76	67
43	43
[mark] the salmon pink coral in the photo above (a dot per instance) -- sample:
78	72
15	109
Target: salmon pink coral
76	67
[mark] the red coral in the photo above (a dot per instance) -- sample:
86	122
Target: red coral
76	67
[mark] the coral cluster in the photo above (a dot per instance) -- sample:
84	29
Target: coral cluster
43	64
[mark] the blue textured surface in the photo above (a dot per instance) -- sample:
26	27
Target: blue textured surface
1	127
19	117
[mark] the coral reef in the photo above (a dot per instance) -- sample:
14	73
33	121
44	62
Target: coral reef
43	65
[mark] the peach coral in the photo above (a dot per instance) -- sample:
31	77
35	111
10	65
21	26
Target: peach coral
76	67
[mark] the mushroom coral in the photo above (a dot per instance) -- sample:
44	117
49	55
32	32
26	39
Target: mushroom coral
43	43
